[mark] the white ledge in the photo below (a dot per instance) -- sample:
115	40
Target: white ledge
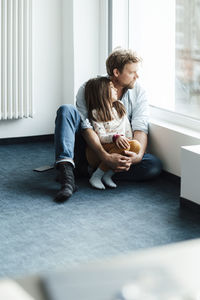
175	121
176	128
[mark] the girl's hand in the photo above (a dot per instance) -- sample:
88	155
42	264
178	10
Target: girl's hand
122	142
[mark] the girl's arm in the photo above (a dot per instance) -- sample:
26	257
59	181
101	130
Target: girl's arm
101	132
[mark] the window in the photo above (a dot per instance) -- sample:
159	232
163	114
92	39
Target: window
188	57
167	35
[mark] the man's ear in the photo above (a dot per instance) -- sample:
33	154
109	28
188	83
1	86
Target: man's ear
116	72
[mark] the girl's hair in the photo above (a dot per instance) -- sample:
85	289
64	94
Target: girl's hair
98	97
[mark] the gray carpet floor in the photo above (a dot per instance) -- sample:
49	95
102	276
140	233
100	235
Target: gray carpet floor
39	235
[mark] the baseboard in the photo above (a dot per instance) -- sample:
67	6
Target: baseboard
27	139
185	203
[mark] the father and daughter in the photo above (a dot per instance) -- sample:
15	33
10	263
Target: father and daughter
109	119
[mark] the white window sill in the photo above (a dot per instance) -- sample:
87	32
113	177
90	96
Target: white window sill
175	122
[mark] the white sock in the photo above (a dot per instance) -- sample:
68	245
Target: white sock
108	180
95	179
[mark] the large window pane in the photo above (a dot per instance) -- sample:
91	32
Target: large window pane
167	35
188	57
152	35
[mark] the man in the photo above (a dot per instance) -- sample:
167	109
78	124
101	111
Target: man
122	68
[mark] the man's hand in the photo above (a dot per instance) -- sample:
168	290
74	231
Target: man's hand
115	161
118	162
134	157
122	142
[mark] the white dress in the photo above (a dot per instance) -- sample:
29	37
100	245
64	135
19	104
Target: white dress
106	130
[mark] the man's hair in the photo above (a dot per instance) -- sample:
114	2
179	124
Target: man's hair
98	97
119	58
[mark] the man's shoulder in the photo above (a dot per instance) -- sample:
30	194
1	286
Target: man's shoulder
80	95
82	87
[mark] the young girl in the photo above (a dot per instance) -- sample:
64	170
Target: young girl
110	122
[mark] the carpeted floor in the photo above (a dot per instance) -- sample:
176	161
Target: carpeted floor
37	234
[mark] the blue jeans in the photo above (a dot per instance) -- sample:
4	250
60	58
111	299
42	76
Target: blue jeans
69	143
67	125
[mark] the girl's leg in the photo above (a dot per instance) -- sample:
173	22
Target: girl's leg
112	148
95	179
93	161
107	179
135	146
92	158
102	172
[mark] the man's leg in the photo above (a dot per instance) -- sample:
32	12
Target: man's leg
67	124
81	164
148	168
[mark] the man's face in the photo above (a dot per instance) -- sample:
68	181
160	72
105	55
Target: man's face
128	76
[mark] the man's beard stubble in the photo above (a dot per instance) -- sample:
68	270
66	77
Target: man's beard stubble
130	85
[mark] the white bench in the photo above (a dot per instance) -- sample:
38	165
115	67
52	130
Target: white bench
190	174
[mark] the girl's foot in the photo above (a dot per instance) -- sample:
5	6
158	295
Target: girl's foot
107	179
95	179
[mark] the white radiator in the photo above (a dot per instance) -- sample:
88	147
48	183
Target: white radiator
16	59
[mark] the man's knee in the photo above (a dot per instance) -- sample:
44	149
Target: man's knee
69	112
67	109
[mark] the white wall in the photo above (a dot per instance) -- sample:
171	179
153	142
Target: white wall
65	54
68	51
86	40
47	89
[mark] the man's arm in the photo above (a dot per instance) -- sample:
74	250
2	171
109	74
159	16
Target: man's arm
115	161
141	137
139	122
